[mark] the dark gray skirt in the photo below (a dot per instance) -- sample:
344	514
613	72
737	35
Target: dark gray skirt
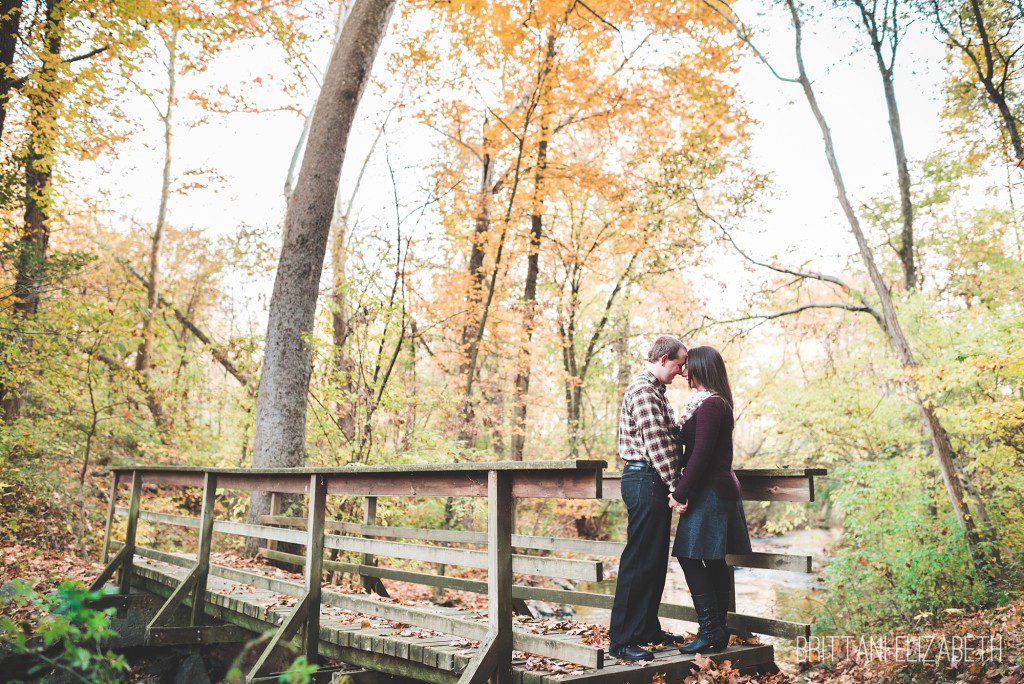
711	527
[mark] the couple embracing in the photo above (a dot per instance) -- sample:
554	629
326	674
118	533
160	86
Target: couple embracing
659	479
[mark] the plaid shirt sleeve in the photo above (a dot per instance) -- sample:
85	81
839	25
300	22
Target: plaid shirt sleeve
659	433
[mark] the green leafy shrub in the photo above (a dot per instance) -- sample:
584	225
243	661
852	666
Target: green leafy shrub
903	558
66	637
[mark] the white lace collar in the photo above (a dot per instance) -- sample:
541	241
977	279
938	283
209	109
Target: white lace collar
693	402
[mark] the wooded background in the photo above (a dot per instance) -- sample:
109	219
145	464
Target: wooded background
530	192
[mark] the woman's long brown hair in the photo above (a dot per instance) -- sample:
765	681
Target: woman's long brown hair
705	365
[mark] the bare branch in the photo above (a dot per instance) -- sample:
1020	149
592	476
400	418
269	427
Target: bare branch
798	309
744	35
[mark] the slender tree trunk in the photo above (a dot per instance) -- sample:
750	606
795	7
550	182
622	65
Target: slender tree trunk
893	330
523	363
143	359
906	250
623	363
39	157
341	324
567	332
344	8
882	30
522	381
90	435
280	433
466	429
481	227
985	70
344	367
996	94
10	25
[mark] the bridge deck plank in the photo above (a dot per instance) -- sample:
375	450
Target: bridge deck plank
445	655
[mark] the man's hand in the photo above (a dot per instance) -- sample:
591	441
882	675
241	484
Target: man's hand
676	506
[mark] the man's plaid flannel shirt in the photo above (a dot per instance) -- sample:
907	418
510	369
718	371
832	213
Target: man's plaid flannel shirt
647	427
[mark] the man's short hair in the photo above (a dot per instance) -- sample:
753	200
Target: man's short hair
665	345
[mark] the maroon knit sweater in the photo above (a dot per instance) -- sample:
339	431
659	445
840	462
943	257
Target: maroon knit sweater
707	436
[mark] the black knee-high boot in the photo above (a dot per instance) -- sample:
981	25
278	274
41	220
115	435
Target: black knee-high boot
722	580
711	638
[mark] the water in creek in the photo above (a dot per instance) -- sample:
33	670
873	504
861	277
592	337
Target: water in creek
768	593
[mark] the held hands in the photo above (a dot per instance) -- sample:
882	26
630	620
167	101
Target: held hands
676	506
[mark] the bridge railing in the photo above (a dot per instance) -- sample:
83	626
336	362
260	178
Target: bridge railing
501	483
775	484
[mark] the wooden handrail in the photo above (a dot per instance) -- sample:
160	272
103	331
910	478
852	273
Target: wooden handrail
579	479
758	484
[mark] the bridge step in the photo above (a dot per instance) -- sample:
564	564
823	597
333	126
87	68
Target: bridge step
384	646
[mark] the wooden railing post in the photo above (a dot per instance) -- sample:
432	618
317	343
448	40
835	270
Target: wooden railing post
276	508
129	534
205	542
499	571
371	584
314	565
111	508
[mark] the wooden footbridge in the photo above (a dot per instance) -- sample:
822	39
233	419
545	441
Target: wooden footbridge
370	634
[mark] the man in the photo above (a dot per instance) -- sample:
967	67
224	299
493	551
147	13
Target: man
650	445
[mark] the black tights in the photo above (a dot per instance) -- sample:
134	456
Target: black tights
706	576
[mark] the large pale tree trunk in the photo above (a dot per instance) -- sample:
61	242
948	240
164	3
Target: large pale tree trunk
280	433
985	558
39	157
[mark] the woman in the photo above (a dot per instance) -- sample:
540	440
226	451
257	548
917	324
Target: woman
708	496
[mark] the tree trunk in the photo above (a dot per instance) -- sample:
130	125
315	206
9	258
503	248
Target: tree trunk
985	71
344	7
143	360
344	368
39	158
10	25
906	250
522	381
623	363
996	94
567	333
481	226
280	433
341	324
880	32
893	329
